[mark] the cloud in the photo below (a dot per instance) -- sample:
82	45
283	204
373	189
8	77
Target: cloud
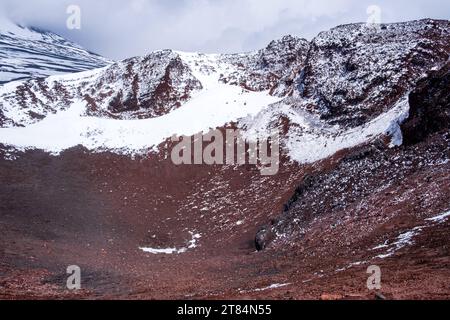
124	28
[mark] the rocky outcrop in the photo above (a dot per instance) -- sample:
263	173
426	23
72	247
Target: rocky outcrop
273	68
429	107
136	88
346	76
142	87
354	73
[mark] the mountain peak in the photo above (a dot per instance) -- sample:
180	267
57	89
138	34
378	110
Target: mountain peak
30	52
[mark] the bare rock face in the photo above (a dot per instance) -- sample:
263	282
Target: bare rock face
354	73
429	107
263	238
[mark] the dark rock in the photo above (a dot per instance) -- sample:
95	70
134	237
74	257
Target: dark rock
429	107
263	238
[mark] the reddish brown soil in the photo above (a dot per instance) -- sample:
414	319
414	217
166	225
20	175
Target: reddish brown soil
95	210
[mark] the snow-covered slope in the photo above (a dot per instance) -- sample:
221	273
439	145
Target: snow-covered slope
31	53
347	87
354	87
309	139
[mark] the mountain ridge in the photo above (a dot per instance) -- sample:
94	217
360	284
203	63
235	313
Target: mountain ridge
29	52
164	81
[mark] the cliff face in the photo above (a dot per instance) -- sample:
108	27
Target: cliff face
429	107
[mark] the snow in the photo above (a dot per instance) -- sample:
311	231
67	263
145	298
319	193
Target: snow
353	264
440	218
381	246
310	139
205	67
21	115
76	78
403	240
160	251
192	244
214	106
357	69
273	286
270	287
9	28
193	241
407	238
27	52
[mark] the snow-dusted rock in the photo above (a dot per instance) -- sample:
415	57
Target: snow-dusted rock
354	73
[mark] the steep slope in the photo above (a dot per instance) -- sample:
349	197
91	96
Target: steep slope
273	68
164	81
354	87
341	193
355	72
430	107
374	205
32	53
131	89
167	78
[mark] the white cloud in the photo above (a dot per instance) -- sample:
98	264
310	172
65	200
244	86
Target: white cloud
120	28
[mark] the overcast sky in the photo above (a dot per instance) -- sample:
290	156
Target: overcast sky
124	28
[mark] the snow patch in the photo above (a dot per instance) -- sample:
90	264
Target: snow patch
192	244
273	286
403	240
161	251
